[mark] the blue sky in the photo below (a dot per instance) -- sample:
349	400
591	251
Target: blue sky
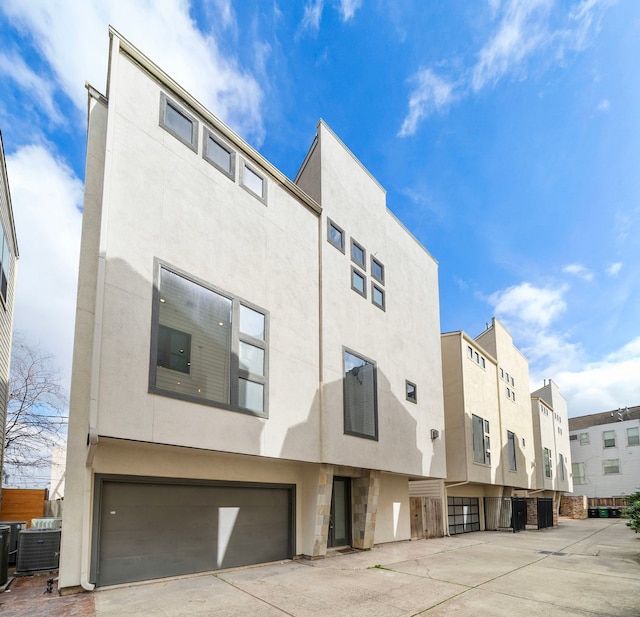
507	136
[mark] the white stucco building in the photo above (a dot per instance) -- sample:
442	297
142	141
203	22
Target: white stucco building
257	367
605	452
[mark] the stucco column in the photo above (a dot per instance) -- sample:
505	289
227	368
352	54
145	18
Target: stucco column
366	490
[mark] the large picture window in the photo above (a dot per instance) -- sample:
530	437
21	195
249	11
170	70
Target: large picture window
208	346
481	440
360	397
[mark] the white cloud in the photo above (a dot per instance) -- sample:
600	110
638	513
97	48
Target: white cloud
312	16
225	10
46	197
614	269
579	270
530	305
348	8
604	106
607	384
430	93
41	91
522	31
164	31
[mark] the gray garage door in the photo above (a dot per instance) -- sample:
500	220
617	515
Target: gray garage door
151	530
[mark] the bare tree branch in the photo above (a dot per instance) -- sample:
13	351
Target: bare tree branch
36	408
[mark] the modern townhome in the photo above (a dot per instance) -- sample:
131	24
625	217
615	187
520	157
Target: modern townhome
553	453
489	431
257	369
8	269
605	452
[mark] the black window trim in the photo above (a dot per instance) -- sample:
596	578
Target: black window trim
375	395
235	372
166	100
413	399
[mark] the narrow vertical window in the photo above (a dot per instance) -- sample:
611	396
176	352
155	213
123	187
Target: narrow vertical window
377	270
358	282
511	444
360	396
358	254
411	392
377	296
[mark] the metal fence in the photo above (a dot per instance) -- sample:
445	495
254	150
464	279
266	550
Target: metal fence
515	513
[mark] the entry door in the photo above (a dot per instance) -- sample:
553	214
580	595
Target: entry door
340	524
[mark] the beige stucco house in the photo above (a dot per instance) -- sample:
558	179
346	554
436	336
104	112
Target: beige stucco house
551	430
249	382
8	270
489	431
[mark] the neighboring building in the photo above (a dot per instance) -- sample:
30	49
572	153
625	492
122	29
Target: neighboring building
551	430
605	453
8	268
489	431
249	381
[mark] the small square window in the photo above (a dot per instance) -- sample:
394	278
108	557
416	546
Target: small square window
476	357
335	235
221	156
508	393
512	381
358	282
411	391
470	353
253	182
358	254
506	376
377	270
633	436
178	122
501	373
377	296
482	362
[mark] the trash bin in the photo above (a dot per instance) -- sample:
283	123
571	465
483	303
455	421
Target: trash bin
593	512
614	512
4	553
603	512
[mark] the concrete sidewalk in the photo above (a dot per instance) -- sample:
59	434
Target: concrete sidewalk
580	568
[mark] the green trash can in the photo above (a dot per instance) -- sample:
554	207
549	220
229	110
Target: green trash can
603	512
4	554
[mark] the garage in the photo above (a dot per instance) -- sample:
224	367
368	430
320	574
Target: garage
464	514
154	528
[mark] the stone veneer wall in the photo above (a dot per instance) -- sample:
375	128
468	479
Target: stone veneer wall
365	493
323	511
574	506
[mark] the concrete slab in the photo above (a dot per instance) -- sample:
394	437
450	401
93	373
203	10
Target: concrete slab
580	569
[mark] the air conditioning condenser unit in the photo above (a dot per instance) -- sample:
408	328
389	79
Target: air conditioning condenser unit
38	550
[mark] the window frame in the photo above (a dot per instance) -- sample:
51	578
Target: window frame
486	440
343	236
511	450
407	385
580	478
605	467
374	260
363	276
209	134
357	245
235	372
376	287
548	467
245	165
605	445
166	100
561	466
637	436
5	267
584	439
362	357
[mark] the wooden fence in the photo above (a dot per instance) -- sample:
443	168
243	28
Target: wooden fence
603	502
426	518
23	504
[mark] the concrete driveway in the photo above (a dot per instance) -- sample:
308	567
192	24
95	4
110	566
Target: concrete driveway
580	568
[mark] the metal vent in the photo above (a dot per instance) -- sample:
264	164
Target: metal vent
38	549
